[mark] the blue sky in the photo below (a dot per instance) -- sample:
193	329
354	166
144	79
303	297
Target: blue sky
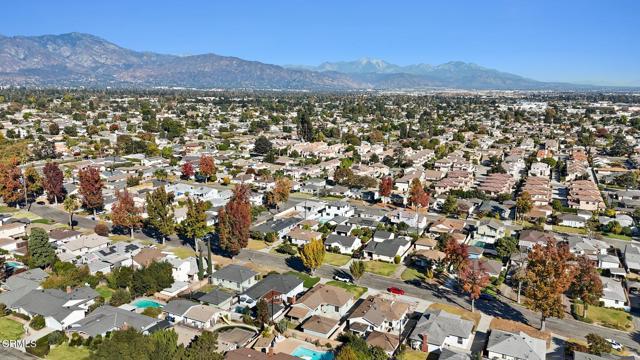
561	40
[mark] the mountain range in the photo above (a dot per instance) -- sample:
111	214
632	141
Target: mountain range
77	59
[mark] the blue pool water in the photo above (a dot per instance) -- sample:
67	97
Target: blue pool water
14	264
145	303
308	354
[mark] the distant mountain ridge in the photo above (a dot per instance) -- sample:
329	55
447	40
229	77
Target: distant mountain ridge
77	59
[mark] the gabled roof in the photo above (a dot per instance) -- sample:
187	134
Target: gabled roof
234	273
108	318
323	294
518	345
377	310
179	306
438	324
280	283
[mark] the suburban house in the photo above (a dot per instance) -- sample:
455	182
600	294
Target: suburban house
280	227
490	230
572	220
515	346
107	318
320	326
632	257
344	244
300	237
613	294
324	300
201	316
84	244
19	285
218	298
234	277
388	342
274	288
437	328
338	208
387	250
378	313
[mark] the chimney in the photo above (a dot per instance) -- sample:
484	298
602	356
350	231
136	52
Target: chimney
69	290
425	345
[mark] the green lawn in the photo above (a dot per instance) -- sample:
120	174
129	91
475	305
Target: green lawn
27	215
182	252
64	352
617	236
569	230
43	221
611	318
380	268
118	238
7	209
356	290
410	354
465	314
309	281
411	274
336	259
10	329
105	292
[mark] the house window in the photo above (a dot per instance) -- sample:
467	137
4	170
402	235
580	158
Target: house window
459	341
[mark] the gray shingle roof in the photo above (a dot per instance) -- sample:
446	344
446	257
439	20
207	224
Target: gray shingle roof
234	273
108	318
282	283
521	345
439	324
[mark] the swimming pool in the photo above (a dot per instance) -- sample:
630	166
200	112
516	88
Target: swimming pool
308	354
145	303
14	264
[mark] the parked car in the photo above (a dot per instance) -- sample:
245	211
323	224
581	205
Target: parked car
395	290
342	278
614	344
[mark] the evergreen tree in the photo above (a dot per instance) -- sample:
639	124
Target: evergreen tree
41	253
160	212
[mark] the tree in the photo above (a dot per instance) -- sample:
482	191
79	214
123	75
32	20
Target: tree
187	170
312	254
235	221
262	312
524	204
357	269
125	213
124	344
160	212
204	346
386	186
450	205
41	252
11	187
586	284
346	353
207	167
165	344
53	182
119	297
548	277
598	345
305	125
194	226
71	205
262	145
33	182
91	189
506	246
474	279
417	196
456	254
282	189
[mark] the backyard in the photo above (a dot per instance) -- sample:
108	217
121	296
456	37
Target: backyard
410	354
381	268
64	351
356	290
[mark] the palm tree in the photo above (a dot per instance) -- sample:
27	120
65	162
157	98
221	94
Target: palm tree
71	205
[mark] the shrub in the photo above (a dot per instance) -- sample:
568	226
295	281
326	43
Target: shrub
20	315
119	297
101	229
152	312
396	259
76	340
57	338
37	322
41	349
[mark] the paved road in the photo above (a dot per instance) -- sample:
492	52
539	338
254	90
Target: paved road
567	327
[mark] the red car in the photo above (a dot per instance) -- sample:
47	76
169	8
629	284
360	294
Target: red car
395	290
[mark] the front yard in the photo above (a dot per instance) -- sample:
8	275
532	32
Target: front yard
356	290
64	352
10	329
309	281
256	244
412	274
380	268
336	259
611	318
569	230
465	314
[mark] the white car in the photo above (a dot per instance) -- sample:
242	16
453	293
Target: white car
342	278
614	344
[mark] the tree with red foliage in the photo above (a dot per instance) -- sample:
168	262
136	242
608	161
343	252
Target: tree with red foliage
207	167
187	170
386	185
474	278
417	196
456	255
125	213
11	188
548	276
53	182
234	221
91	189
